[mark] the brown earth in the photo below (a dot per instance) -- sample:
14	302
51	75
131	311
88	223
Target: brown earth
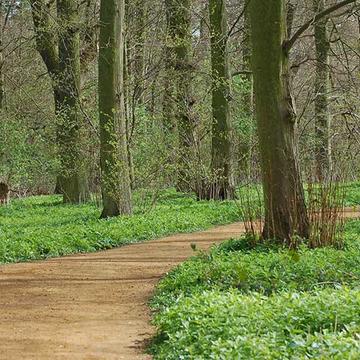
91	306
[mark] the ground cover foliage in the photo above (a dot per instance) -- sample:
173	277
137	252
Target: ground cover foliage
42	227
261	301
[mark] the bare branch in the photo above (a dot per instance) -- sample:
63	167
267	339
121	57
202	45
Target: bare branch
289	44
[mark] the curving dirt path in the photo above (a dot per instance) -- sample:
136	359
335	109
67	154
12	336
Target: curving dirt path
91	306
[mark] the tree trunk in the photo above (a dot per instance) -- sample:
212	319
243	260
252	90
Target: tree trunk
322	84
247	103
168	114
285	210
116	191
179	64
2	77
69	118
222	186
139	63
61	55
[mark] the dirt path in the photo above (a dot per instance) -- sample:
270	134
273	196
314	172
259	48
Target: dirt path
90	306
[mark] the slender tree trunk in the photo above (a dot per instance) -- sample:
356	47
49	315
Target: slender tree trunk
322	84
179	63
285	210
2	77
247	102
139	52
221	162
129	107
169	118
116	191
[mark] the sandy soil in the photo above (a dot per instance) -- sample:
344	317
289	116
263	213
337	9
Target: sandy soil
91	306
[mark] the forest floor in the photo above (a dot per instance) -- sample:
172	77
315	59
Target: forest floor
92	306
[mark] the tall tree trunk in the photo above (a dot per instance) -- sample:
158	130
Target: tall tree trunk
2	77
139	52
221	159
285	210
116	191
179	57
168	103
247	102
322	84
68	103
130	114
61	55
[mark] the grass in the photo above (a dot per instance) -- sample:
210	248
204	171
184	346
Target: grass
262	302
42	227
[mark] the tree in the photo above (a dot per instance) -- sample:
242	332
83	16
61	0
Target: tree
322	83
221	162
285	210
68	102
61	55
2	85
116	192
179	43
247	99
139	52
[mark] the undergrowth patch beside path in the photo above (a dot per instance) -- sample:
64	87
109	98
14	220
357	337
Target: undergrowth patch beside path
42	227
262	302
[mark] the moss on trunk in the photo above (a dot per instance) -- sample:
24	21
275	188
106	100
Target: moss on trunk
116	192
322	84
285	210
221	155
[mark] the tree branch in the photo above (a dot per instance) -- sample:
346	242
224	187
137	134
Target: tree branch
289	43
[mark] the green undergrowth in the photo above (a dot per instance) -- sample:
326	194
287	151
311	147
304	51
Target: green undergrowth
243	301
42	227
352	194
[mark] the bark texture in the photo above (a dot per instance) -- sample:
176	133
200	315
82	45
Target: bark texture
322	87
60	51
68	102
178	57
2	77
221	156
116	192
285	210
247	102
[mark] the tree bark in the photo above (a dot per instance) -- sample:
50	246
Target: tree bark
139	53
68	104
322	84
221	159
179	45
285	210
247	101
116	191
2	77
61	55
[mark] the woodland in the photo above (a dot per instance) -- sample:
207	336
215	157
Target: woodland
125	121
